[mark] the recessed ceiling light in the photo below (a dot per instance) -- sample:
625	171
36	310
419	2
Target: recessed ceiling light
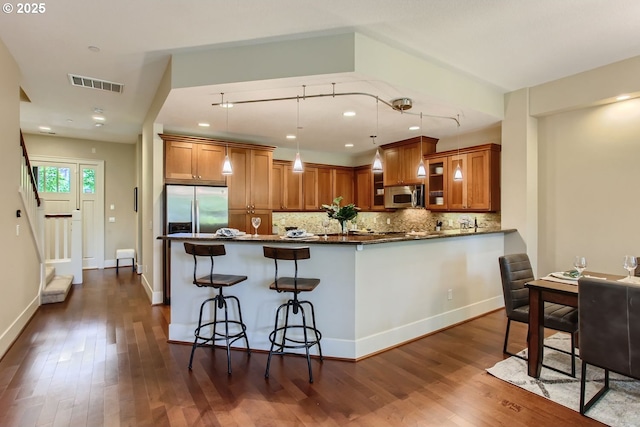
414	127
70	120
44	128
99	118
348	145
98	125
94	49
203	125
98	110
291	137
226	105
349	113
623	97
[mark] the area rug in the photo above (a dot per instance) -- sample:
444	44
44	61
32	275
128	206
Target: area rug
620	406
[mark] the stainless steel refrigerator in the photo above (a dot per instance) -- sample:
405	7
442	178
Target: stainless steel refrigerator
195	209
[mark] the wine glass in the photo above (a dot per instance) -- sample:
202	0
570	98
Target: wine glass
255	221
325	225
630	264
580	263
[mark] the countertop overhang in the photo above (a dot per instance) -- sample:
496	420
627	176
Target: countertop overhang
342	239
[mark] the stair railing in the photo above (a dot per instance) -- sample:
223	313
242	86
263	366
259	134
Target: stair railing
63	234
31	202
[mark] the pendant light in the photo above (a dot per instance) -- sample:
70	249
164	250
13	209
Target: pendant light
297	163
226	166
422	173
457	173
377	160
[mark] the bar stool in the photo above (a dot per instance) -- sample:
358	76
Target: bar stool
310	334
216	281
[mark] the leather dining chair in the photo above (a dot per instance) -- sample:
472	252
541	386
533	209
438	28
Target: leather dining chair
516	271
609	331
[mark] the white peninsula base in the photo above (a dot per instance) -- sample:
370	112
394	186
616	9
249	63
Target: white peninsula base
370	298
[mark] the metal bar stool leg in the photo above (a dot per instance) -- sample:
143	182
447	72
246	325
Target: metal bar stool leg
306	342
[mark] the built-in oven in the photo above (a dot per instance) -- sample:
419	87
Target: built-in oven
404	196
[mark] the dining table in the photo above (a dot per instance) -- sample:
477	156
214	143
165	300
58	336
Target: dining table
550	289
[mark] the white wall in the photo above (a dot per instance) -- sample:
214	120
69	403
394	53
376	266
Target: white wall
589	177
120	179
18	256
567	150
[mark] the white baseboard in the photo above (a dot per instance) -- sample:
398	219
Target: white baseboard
13	331
156	297
406	333
349	349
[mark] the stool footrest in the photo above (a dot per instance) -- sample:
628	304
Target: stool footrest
293	342
217	336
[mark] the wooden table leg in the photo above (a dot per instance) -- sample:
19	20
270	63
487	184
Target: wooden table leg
536	332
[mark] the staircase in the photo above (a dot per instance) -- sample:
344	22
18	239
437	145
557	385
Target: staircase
57	237
56	287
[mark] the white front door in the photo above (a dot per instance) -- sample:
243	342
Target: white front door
69	184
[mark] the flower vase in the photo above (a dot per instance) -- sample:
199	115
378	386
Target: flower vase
344	227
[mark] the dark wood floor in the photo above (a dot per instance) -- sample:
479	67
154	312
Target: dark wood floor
102	359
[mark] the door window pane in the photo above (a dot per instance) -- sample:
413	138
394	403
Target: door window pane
52	179
88	181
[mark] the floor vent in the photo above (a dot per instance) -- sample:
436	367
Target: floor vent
95	83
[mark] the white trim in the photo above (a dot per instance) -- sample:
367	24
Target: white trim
156	297
99	201
13	331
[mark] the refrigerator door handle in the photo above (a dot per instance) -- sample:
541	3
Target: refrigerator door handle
197	204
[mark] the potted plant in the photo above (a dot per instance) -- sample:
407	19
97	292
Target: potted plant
341	213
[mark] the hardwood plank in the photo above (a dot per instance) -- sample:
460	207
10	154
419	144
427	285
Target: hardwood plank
102	359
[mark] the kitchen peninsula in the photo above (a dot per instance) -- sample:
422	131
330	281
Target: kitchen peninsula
375	292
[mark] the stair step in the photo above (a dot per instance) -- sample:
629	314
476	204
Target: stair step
50	273
57	289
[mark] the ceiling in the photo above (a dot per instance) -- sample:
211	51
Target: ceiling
506	44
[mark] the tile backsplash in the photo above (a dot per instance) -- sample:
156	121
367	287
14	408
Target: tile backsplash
403	220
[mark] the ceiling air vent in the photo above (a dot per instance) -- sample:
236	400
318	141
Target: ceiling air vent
95	83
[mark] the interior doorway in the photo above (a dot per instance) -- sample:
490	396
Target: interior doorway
69	184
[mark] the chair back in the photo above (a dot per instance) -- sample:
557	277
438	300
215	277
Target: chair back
637	272
515	271
609	316
209	251
287	254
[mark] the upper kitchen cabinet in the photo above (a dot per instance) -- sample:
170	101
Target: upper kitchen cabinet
286	187
479	188
369	189
343	185
250	183
318	186
193	162
437	181
400	160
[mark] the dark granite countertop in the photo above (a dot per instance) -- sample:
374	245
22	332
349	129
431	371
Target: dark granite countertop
350	239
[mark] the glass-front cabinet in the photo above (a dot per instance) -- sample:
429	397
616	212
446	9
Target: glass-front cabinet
437	171
477	189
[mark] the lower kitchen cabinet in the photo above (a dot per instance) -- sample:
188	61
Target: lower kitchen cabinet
241	219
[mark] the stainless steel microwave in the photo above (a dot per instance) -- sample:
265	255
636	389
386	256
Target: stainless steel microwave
404	196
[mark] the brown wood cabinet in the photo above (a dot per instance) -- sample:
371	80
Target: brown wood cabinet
241	219
437	183
369	189
308	191
479	189
325	186
193	163
286	187
343	185
400	160
250	183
